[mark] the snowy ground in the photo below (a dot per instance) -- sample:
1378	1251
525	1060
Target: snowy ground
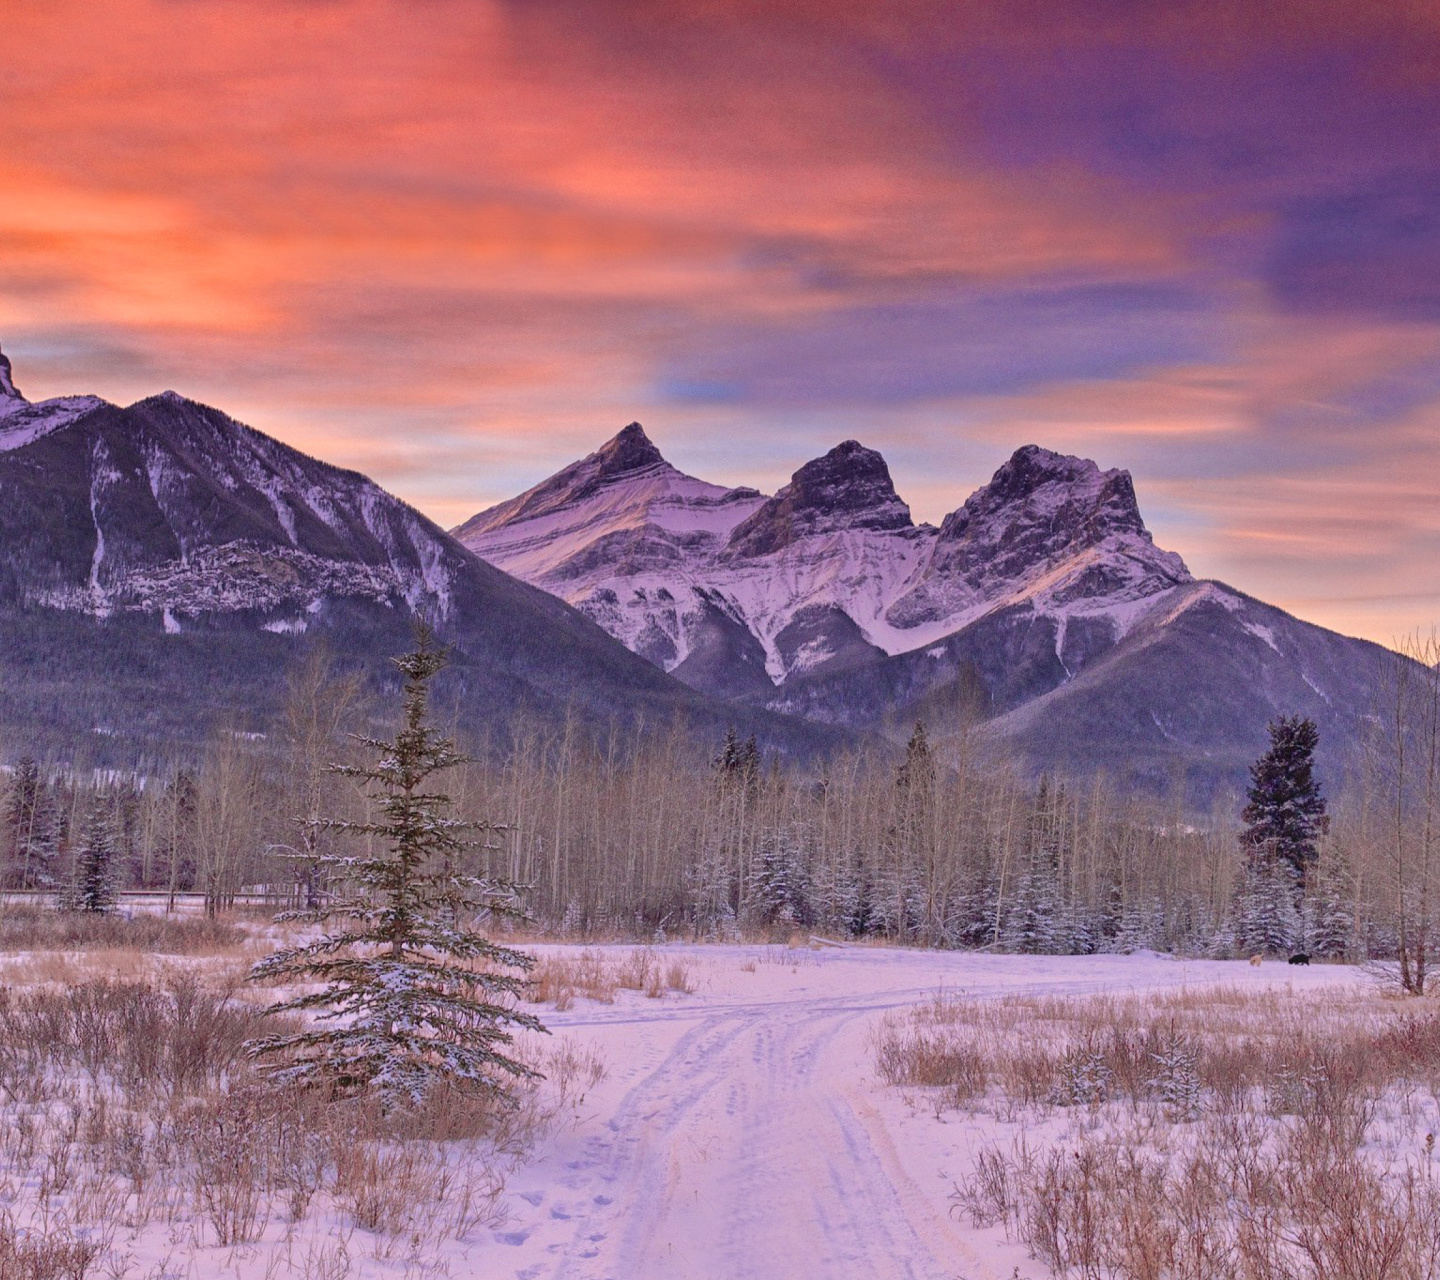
742	1133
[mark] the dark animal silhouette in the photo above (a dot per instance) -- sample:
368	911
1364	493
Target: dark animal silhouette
1300	958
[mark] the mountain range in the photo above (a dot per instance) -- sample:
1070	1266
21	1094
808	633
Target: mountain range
163	567
1040	607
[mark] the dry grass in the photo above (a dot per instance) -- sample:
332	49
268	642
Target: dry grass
1194	1134
558	979
1236	1045
25	928
129	1107
55	1255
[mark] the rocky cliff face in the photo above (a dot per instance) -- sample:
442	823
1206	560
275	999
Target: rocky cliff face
8	394
1054	524
849	488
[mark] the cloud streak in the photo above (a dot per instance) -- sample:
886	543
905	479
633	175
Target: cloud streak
458	244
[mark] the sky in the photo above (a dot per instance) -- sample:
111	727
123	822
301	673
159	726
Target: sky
457	244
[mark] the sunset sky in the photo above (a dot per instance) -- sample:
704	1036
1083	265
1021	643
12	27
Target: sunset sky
458	244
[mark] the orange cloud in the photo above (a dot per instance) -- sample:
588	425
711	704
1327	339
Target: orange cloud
458	244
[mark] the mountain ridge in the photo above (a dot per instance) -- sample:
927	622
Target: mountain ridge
1039	599
162	564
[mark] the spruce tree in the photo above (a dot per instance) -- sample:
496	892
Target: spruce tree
1286	812
94	888
900	899
1283	821
1267	921
1035	923
411	995
779	891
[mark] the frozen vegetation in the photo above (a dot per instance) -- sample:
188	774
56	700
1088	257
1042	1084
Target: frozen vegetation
737	1111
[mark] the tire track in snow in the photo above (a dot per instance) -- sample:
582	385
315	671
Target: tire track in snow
734	1158
752	1149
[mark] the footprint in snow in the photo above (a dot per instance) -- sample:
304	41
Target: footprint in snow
511	1237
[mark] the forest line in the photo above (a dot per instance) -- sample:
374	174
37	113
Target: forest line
653	833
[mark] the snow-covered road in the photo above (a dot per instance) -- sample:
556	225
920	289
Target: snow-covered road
742	1133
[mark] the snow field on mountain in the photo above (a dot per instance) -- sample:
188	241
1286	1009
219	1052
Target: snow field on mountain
657	557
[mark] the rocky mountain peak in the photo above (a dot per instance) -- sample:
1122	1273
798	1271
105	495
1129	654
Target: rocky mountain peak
630	449
1036	486
8	389
626	453
848	488
1041	508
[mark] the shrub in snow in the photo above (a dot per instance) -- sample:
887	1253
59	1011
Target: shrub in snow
1177	1080
410	994
1084	1079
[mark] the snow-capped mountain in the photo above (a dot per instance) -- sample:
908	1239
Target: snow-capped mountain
1041	605
180	558
162	564
737	594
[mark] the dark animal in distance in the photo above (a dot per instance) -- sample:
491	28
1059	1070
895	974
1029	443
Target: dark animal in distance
1301	958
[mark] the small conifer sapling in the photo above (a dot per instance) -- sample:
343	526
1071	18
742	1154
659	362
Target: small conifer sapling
410	995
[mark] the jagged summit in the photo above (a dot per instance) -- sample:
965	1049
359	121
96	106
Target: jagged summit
1036	485
848	488
629	453
629	449
8	390
736	593
1049	522
22	422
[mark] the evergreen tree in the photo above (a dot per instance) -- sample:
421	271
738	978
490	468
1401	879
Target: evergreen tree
31	829
728	761
710	893
93	889
900	897
411	995
1035	924
1267	921
1329	907
739	763
1286	812
1141	926
779	890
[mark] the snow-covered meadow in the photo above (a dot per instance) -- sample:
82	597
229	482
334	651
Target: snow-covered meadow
714	1111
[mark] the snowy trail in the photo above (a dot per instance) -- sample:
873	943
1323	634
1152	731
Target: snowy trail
746	1138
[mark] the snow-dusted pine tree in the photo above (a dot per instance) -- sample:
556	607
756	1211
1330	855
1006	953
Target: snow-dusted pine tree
1330	924
411	994
1266	919
1286	812
1141	927
93	889
1283	820
909	847
779	889
1035	923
